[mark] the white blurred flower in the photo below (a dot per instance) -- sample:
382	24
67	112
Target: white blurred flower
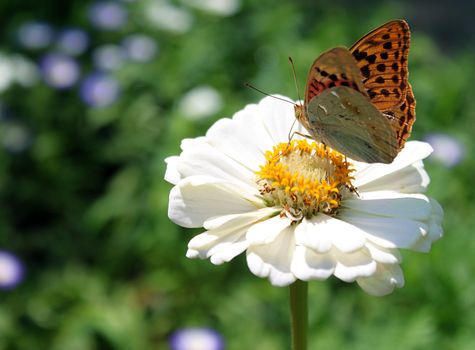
108	15
72	41
217	7
26	72
108	57
16	69
99	90
59	70
35	35
140	47
196	339
201	102
163	15
447	149
14	136
6	72
11	270
300	210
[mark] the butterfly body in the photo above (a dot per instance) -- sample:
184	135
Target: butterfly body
358	101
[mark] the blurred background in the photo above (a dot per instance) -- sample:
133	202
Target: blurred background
95	94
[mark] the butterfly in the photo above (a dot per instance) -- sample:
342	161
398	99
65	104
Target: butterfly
358	101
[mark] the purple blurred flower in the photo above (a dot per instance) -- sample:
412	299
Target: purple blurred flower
59	70
107	15
11	270
72	41
35	35
108	57
140	47
447	149
99	90
196	339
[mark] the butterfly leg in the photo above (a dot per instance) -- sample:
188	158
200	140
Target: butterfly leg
299	133
291	136
350	185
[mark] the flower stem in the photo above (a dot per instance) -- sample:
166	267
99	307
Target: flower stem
299	314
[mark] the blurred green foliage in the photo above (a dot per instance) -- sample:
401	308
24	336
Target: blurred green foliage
85	204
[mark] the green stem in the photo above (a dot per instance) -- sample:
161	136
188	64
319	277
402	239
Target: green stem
299	314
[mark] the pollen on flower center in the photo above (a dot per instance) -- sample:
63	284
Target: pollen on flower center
304	179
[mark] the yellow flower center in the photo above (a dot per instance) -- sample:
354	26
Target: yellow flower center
305	179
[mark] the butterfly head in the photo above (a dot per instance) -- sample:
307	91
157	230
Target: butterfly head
301	115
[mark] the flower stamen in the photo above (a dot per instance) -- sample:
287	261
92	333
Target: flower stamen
305	179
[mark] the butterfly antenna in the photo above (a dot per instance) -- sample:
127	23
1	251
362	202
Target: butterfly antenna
265	93
295	77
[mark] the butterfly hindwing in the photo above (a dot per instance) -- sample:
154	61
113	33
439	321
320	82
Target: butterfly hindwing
402	117
344	119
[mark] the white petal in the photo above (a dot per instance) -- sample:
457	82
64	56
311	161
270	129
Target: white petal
221	254
242	138
224	247
350	266
389	204
233	221
266	231
317	232
437	210
273	260
383	282
435	222
223	243
204	241
435	228
172	175
308	234
192	254
279	117
197	198
191	143
226	237
204	159
308	265
411	179
226	253
413	152
389	232
384	255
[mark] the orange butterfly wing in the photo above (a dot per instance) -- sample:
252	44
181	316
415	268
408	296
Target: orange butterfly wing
402	117
332	68
382	57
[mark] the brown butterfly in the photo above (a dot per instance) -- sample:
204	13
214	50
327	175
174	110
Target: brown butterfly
358	101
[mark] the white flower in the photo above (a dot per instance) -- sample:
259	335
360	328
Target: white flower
200	102
299	210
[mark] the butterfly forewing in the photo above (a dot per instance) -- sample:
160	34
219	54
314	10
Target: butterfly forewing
382	56
335	67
